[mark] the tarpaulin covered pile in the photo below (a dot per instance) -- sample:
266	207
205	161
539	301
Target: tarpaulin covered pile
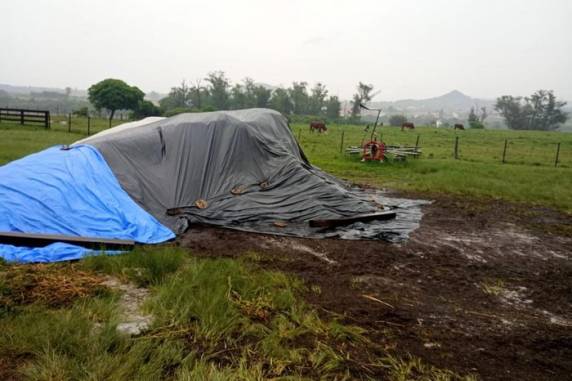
145	180
73	193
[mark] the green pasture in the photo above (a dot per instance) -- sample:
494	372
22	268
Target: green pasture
528	176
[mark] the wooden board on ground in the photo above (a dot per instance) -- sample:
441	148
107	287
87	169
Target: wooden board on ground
331	223
41	240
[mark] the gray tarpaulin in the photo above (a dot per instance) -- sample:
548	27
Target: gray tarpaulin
245	164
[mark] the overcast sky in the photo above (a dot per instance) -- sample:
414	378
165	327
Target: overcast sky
407	49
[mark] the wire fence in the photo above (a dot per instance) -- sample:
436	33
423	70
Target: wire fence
534	148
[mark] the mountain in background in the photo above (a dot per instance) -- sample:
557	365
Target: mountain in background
454	101
28	90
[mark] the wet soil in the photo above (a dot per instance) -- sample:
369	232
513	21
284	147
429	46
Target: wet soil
482	287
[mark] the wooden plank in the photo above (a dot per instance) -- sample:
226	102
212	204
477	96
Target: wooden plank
331	223
41	240
20	109
27	117
42	121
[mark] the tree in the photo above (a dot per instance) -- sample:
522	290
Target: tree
238	97
82	111
113	95
475	120
397	120
510	108
198	94
317	98
540	111
144	109
262	96
218	89
179	98
281	101
483	115
334	107
363	95
299	97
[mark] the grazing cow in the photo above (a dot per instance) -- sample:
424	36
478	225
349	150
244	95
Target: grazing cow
318	125
408	125
459	126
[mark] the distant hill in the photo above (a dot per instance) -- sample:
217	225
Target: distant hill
27	90
454	101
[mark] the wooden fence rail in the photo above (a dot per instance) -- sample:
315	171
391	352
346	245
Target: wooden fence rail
25	116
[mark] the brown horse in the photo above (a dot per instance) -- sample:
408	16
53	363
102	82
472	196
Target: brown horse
318	125
458	126
408	125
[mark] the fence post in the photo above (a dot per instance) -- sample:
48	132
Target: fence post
342	143
88	124
456	147
557	154
69	122
417	146
22	117
504	151
47	120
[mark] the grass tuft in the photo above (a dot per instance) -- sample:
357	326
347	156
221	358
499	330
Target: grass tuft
145	266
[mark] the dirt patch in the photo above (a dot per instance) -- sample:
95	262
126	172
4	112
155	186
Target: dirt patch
481	287
51	285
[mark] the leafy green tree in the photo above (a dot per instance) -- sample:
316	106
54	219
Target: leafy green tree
249	92
180	97
238	97
218	86
114	94
511	110
475	120
540	111
544	111
299	97
397	120
334	107
281	101
317	98
198	94
144	109
262	96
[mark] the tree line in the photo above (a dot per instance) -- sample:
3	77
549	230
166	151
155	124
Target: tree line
540	111
216	92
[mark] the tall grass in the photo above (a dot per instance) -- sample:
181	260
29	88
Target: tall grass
145	266
214	319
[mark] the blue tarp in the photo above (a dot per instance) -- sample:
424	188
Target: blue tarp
69	192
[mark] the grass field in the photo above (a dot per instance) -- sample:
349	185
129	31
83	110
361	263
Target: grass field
17	141
224	319
528	176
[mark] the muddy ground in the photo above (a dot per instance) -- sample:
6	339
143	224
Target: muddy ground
481	287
